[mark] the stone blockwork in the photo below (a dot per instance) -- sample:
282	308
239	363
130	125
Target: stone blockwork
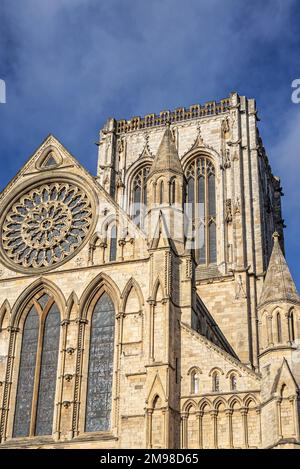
205	350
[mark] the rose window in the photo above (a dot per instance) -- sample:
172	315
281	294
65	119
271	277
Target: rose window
46	225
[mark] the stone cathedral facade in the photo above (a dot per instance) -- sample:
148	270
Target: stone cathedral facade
150	306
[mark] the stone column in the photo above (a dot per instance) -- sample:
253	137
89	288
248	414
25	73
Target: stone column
199	415
228	413
149	413
184	417
279	424
214	415
244	412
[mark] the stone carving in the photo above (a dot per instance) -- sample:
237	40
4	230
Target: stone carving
228	211
46	225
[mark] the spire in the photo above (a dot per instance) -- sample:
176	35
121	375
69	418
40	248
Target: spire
166	158
279	284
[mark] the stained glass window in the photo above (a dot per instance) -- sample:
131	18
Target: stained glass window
26	375
34	408
139	195
100	372
45	407
201	193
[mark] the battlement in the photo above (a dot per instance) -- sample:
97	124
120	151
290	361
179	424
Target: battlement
210	108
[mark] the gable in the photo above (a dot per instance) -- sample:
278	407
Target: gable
50	210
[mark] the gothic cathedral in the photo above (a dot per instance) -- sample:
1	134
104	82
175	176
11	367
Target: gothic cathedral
150	306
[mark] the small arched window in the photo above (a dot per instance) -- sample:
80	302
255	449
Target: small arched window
278	324
139	195
113	244
233	382
201	197
173	191
161	192
34	408
194	382
292	326
216	382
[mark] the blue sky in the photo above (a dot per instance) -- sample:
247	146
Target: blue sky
70	64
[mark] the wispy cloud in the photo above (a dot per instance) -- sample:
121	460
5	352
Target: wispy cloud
69	64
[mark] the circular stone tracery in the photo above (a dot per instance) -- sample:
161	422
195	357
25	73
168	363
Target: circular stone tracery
46	225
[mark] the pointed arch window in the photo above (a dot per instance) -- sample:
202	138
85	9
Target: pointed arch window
215	382
173	191
100	369
278	324
113	244
161	192
34	408
139	195
194	382
292	326
233	382
201	196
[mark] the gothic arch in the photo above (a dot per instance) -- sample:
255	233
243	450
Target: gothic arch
250	398
188	405
216	368
100	284
209	153
95	239
218	401
5	313
234	400
72	302
156	390
233	370
205	403
194	368
131	173
31	291
131	284
157	284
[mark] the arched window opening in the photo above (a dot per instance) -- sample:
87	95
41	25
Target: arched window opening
173	191
34	408
194	382
215	382
233	383
100	370
279	333
161	192
201	197
292	326
113	244
139	195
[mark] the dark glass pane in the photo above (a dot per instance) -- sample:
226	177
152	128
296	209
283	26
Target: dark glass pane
100	374
46	397
137	205
161	192
26	375
211	195
113	244
43	300
212	243
173	192
190	196
202	253
201	197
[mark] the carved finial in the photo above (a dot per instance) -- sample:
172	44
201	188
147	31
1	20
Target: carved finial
275	236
